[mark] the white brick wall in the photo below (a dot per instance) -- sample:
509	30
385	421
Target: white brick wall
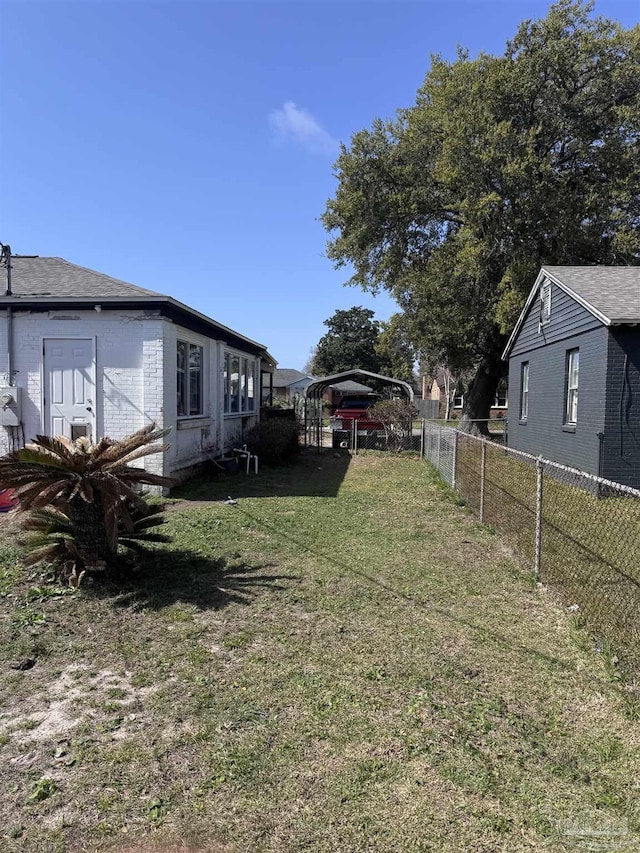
135	380
120	389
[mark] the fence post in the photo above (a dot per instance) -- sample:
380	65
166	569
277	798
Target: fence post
422	439
483	468
354	443
439	443
455	458
306	422
539	478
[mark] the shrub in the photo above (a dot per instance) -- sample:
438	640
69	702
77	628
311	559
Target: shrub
51	540
397	418
274	440
89	492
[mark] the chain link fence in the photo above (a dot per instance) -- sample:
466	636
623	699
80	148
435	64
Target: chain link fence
578	532
356	435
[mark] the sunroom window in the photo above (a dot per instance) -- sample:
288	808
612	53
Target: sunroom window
239	384
189	379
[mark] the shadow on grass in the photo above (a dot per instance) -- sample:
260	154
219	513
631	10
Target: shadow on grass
478	627
315	473
186	577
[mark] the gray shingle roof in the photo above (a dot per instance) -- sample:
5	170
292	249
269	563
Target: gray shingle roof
57	278
350	387
286	376
48	281
614	292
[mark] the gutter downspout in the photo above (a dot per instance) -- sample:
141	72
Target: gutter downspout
9	345
6	255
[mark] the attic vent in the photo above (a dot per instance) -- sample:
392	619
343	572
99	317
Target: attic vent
545	302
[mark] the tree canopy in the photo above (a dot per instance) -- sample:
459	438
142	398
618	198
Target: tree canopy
503	164
356	340
395	349
349	343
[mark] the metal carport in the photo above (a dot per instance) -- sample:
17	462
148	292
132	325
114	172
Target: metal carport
313	408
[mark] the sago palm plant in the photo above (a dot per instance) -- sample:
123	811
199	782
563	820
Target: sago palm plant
93	485
51	540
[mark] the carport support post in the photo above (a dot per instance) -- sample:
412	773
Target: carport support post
539	478
306	421
483	470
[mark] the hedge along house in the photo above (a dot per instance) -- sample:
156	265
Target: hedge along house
87	354
574	371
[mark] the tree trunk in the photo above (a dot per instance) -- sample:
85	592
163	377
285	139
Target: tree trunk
482	390
448	378
89	531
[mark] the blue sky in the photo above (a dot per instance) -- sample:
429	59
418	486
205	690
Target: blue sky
188	147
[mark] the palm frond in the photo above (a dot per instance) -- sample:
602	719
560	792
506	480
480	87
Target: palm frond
147	450
83	498
58	445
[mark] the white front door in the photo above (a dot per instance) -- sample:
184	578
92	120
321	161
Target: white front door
69	387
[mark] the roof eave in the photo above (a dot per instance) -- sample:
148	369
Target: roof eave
82	301
544	273
523	314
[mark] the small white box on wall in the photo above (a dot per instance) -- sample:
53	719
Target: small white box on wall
10	405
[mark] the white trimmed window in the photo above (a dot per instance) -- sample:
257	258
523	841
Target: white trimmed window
239	384
573	364
500	401
189	379
524	390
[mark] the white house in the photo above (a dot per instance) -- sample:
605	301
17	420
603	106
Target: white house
288	384
85	353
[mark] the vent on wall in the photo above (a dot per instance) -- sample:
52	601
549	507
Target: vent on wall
79	431
545	303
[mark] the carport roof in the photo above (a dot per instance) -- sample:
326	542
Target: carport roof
317	388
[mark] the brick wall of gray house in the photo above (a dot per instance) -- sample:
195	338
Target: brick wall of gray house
621	448
544	433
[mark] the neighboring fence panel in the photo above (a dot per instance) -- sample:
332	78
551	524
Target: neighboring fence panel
438	446
580	533
357	435
427	408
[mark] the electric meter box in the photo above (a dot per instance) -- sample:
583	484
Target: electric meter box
10	405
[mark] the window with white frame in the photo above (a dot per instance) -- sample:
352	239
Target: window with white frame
239	384
573	364
524	390
189	378
500	401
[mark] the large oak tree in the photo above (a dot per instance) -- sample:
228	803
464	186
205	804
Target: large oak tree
503	164
349	343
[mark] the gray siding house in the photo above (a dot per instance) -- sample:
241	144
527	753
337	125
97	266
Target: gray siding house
574	371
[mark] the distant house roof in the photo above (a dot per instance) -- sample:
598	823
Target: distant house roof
350	387
45	283
612	294
285	376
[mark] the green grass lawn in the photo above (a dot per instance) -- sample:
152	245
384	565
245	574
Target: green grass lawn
590	544
344	660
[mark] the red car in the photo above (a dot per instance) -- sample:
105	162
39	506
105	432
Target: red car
352	409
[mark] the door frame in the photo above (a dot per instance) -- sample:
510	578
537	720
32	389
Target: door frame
94	348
